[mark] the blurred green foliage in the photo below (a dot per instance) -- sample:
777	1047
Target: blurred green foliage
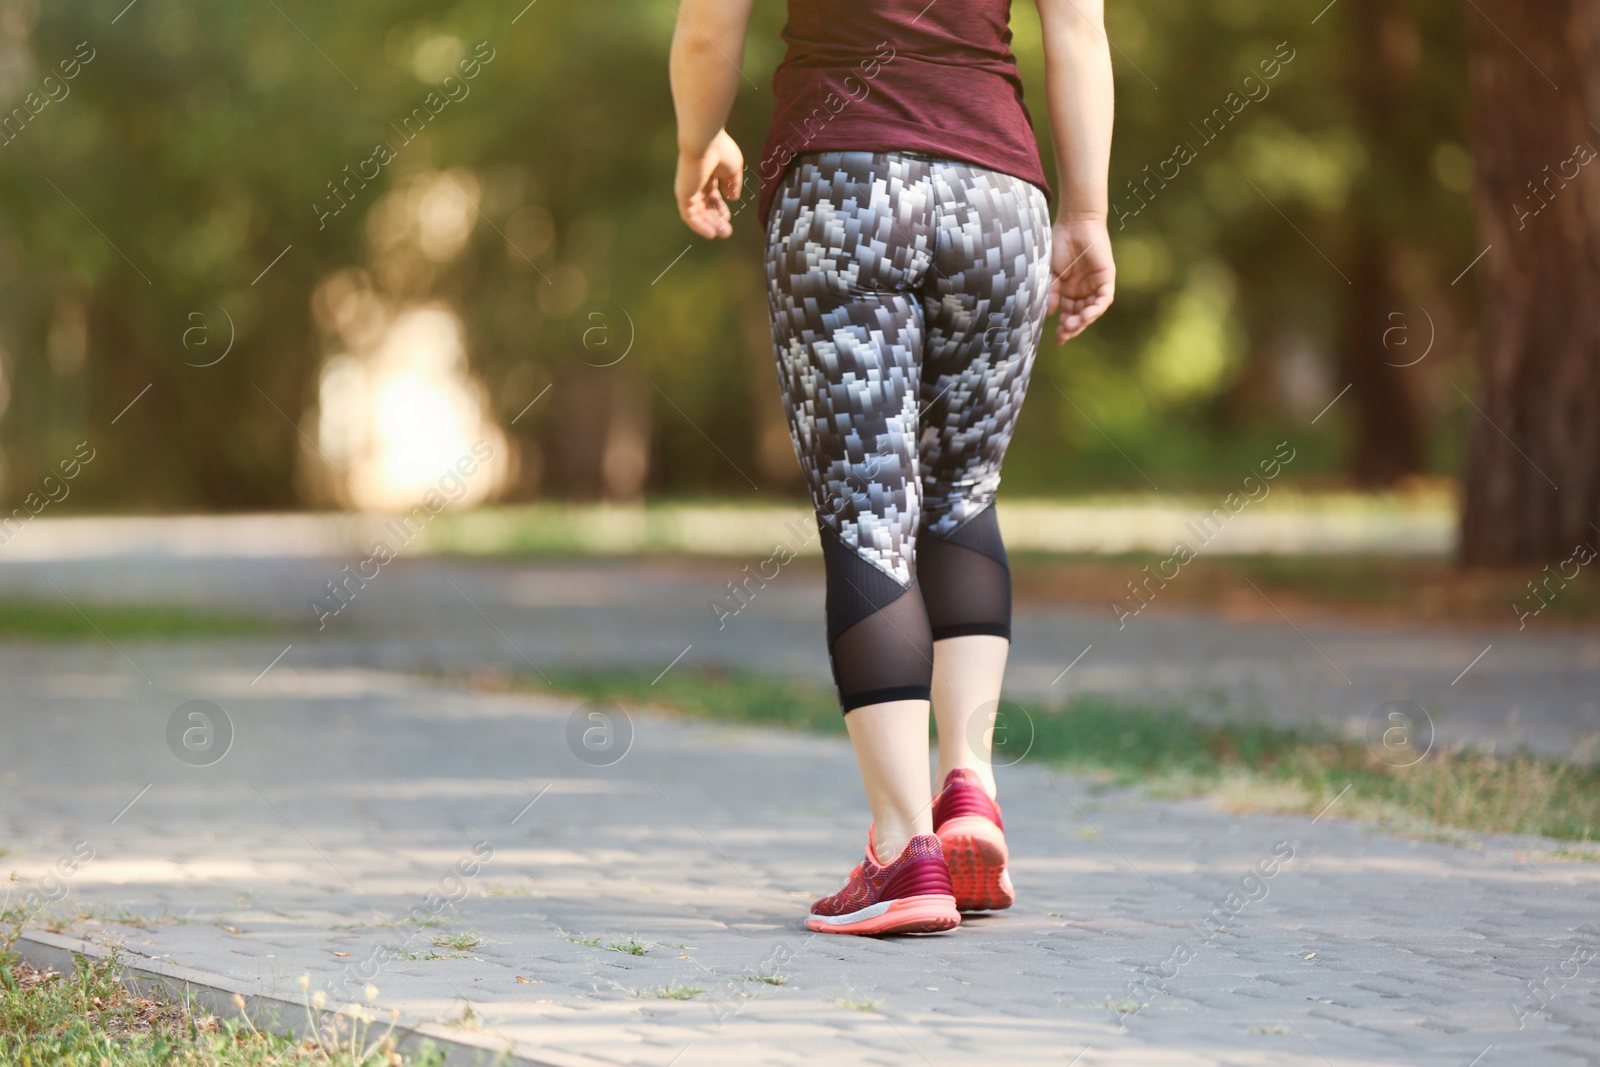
188	155
60	621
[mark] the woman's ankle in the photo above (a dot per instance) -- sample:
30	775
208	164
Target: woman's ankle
887	848
984	772
891	835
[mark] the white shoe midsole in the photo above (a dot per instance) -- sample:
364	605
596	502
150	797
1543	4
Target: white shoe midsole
871	911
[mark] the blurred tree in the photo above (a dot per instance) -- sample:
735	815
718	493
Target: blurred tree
1330	209
148	202
1533	473
1383	50
169	203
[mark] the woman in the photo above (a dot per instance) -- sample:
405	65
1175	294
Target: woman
911	263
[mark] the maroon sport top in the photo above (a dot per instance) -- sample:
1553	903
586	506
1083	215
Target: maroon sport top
900	75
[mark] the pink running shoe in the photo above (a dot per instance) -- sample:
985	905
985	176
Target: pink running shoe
910	895
968	824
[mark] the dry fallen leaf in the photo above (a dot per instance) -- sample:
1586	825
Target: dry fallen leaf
527	981
230	929
1311	956
341	953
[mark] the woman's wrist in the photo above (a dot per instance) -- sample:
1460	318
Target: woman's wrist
695	147
1079	216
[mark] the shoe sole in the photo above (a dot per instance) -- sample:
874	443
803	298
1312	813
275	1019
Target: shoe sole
929	913
975	850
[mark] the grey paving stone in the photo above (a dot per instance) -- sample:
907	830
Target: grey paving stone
355	786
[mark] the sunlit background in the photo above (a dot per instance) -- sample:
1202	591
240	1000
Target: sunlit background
210	183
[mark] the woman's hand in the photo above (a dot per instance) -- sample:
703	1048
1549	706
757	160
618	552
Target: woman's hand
1083	277
705	183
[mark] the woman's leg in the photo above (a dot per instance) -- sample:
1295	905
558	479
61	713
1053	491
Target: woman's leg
969	607
844	259
966	697
984	311
891	743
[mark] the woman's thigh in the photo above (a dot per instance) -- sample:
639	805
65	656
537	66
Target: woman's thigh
849	246
984	310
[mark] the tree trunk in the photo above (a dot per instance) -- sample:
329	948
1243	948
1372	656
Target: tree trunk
1533	450
1390	438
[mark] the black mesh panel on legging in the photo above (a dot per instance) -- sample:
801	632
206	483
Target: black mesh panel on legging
878	631
966	582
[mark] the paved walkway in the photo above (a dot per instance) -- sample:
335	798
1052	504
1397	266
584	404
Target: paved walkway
353	794
1145	933
1493	686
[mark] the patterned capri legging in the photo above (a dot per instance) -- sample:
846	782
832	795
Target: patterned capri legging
907	296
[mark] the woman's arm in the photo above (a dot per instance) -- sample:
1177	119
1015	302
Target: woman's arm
707	48
1077	60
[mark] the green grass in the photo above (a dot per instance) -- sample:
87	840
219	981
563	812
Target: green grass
1579	855
769	977
1406	589
460	942
1247	764
89	1019
59	621
698	525
630	945
672	991
710	694
53	918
